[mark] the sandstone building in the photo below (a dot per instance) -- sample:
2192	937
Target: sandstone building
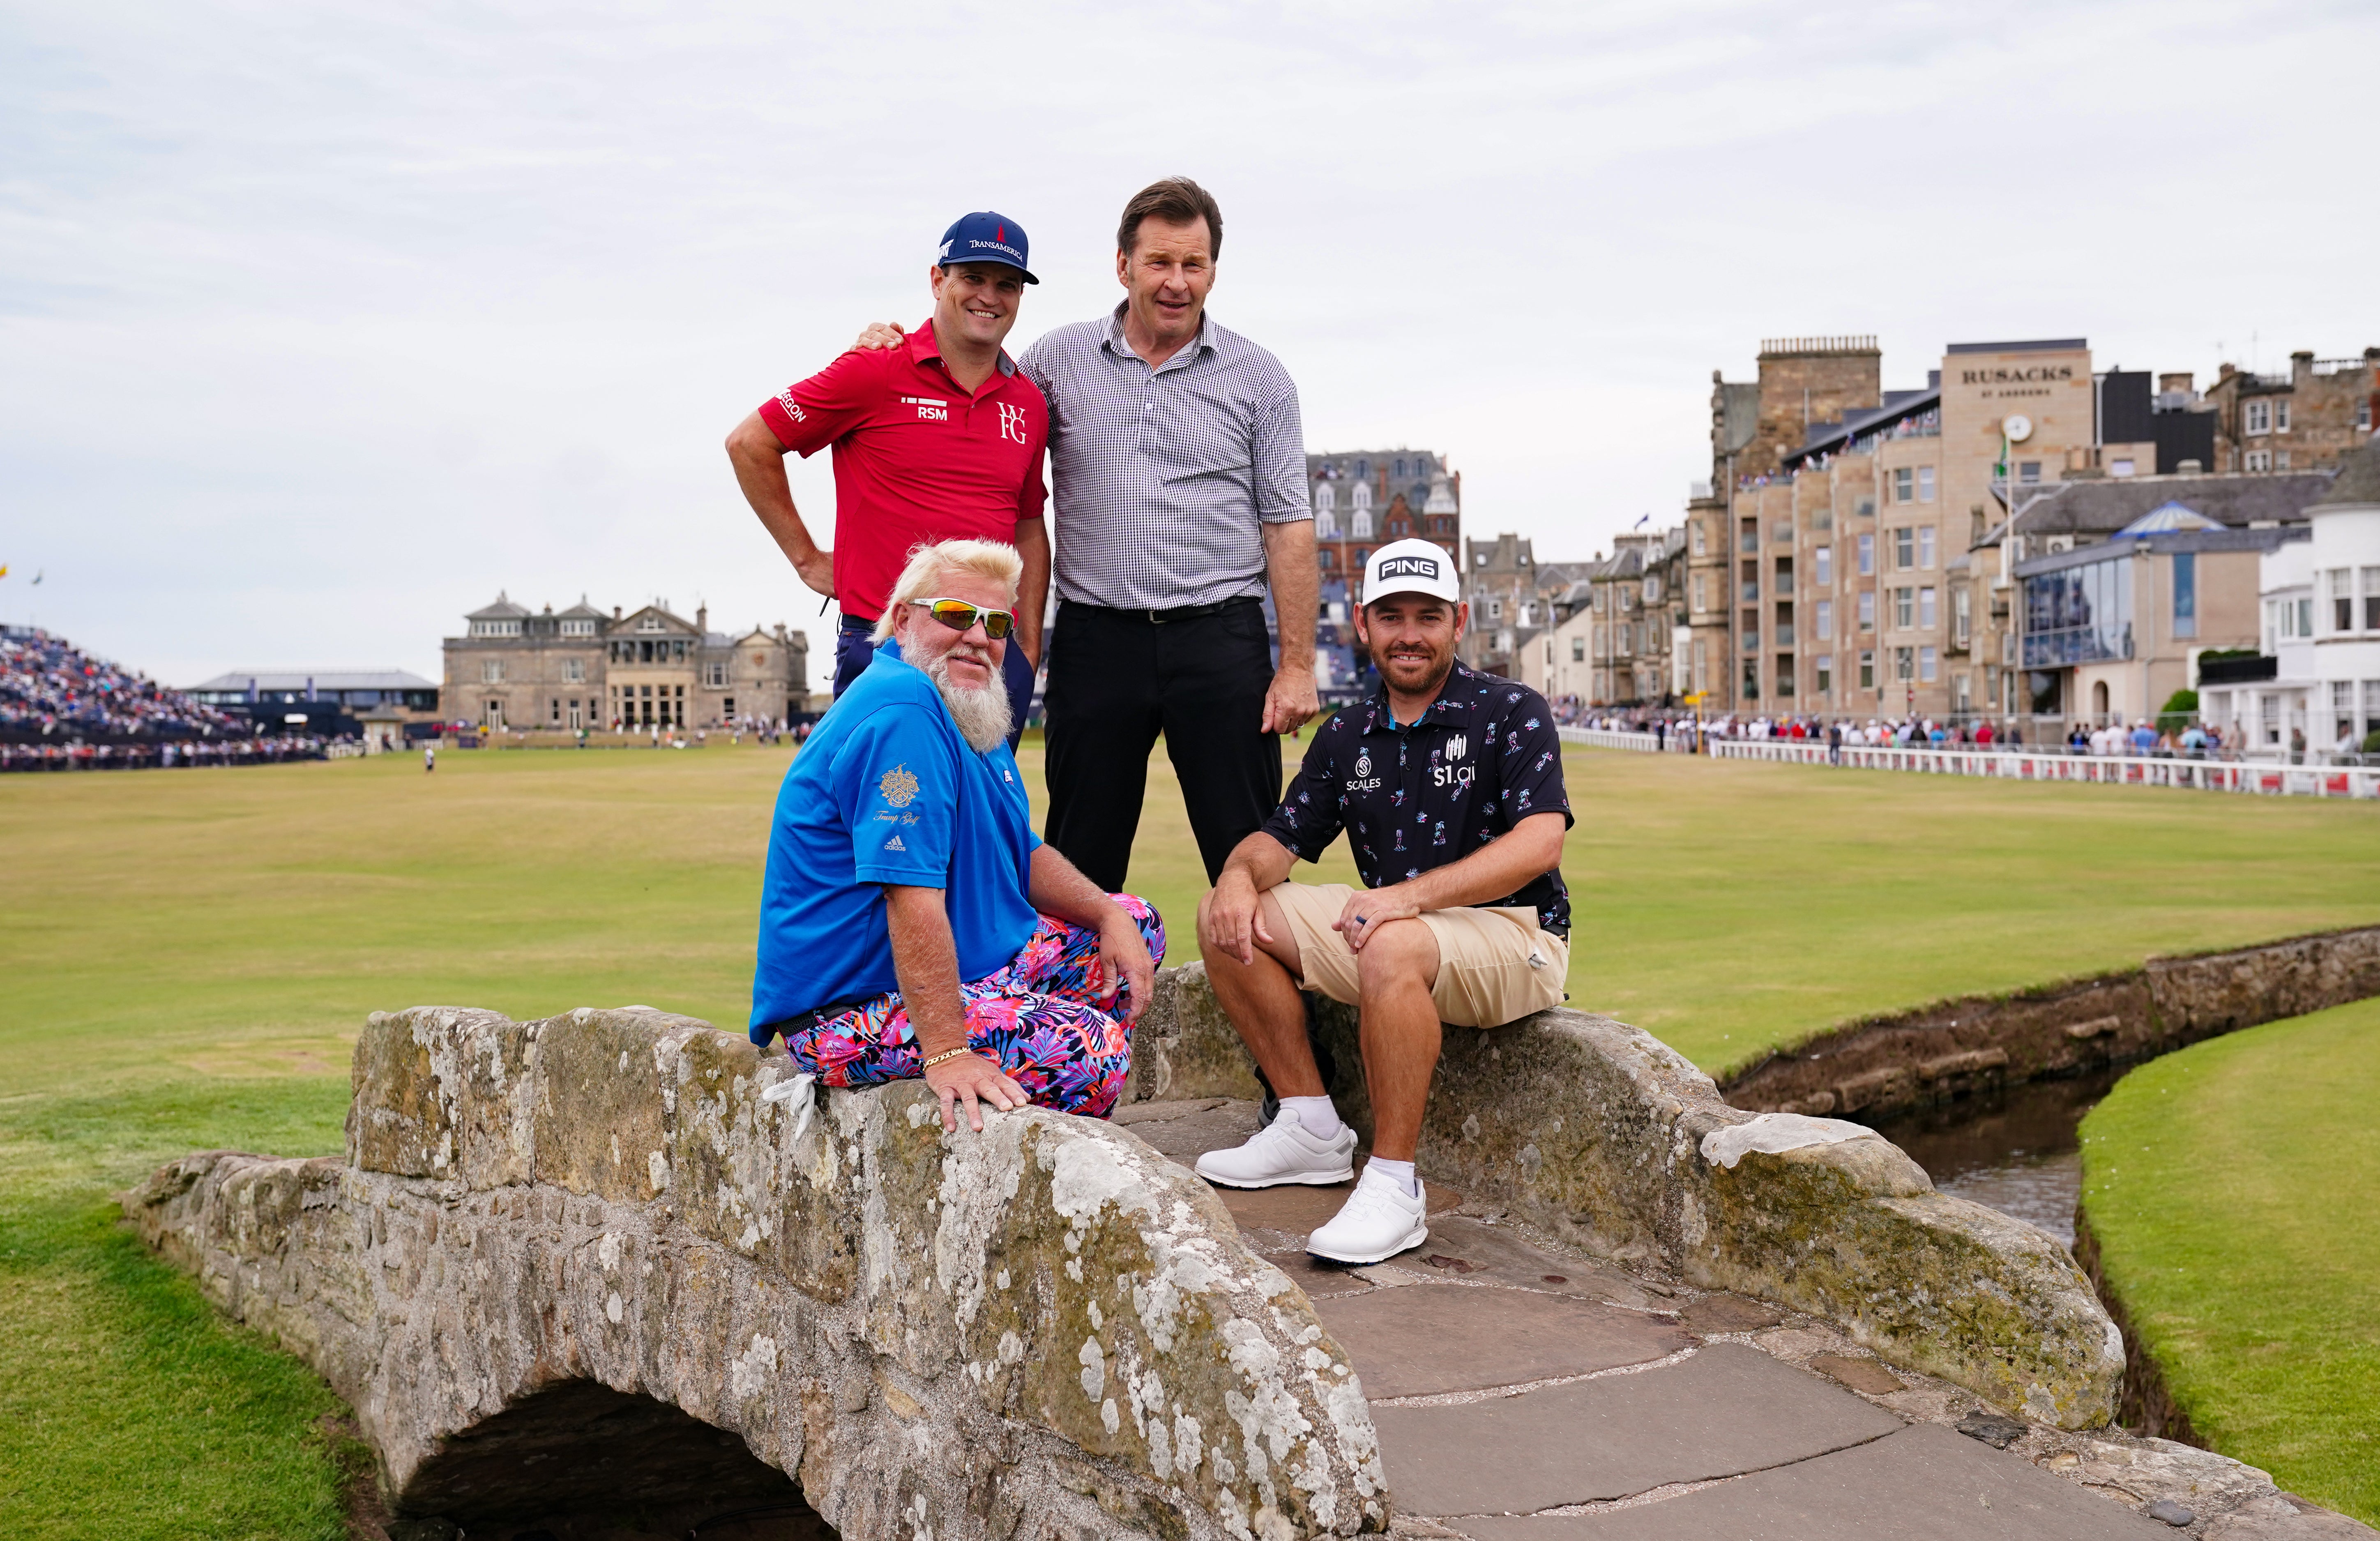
2299	421
1367	498
579	668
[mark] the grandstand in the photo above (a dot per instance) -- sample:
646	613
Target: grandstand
62	708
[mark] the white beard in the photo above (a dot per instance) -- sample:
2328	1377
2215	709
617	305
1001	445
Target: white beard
981	711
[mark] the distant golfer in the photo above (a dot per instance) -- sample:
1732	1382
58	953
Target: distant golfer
939	439
429	758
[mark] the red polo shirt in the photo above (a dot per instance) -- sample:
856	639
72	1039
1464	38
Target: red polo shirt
915	458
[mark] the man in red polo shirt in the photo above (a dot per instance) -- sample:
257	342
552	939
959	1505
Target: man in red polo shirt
938	439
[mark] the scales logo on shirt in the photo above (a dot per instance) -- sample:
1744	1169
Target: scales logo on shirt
932	410
1012	422
1364	780
1363	762
899	788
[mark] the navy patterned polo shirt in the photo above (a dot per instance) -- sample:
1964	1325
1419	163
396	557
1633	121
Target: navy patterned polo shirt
1483	757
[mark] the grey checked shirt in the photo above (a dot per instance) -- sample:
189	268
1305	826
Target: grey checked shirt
1161	478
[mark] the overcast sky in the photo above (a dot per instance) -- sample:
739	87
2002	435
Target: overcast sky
321	324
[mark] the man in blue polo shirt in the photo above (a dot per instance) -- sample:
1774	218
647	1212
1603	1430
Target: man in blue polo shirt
911	923
1449	785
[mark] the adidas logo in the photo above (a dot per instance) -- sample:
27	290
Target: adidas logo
894	844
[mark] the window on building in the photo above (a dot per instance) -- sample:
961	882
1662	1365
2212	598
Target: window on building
1750	627
2185	594
1926	547
555	716
1750	580
2281	415
1362	498
1962	607
2028	471
1928	613
1652	590
2256	417
1904	662
2342	712
1962	694
1904	485
1400	470
1364	469
1924	484
1495	610
1867	610
2364	413
1867	671
1749	538
492	670
2371	708
1928	665
2372	599
1784	673
2306	615
1826	680
1360	527
1904	548
1751	680
2260	460
1780	533
1701	594
1866	556
574	671
1327	559
1822	566
1785	573
1699	538
1578	649
1826	619
1904	609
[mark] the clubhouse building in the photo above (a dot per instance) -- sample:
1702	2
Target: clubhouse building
525	670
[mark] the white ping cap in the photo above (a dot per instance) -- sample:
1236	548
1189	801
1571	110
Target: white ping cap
1411	567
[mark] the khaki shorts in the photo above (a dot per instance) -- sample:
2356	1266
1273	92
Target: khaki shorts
1494	966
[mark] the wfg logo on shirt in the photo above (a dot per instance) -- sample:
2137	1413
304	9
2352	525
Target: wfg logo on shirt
1012	422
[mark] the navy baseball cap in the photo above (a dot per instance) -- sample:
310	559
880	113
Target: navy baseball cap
986	237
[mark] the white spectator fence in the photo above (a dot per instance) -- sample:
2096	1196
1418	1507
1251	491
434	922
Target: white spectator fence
2025	765
1642	743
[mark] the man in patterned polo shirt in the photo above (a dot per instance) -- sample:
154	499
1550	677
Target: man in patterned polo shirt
1449	784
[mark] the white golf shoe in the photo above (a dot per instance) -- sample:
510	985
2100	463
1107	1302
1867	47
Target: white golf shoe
1282	1152
1379	1220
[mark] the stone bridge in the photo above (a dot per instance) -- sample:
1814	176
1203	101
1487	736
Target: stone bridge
616	1274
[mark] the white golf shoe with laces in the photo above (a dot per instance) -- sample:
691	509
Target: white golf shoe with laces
1379	1220
1282	1151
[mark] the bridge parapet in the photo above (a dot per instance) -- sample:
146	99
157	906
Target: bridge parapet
938	1335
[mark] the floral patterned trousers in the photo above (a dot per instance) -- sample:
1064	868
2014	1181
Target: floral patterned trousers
1037	1019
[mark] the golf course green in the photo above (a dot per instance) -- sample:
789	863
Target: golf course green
189	954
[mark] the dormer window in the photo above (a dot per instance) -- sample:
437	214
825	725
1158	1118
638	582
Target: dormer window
649	623
1363	496
1326	497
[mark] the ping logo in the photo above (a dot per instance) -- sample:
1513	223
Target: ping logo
1409	566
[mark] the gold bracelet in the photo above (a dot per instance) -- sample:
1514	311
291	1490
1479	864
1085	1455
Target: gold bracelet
946	1055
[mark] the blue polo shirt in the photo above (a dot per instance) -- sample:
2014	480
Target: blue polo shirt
887	792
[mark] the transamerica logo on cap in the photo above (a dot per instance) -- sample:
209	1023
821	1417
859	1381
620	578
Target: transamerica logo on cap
1409	566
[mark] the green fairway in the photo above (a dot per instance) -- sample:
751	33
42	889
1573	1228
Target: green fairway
190	953
2233	1188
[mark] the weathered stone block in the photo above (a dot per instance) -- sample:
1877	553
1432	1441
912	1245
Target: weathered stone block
936	1333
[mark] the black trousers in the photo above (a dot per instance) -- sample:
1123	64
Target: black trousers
1116	681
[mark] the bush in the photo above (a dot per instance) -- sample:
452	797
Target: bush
2179	709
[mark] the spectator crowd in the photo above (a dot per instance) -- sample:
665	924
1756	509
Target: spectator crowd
63	709
2189	740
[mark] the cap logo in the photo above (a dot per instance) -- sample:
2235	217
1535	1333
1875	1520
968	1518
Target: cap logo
1409	566
999	233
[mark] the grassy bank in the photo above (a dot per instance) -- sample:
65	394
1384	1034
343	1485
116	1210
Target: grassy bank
188	955
2231	1187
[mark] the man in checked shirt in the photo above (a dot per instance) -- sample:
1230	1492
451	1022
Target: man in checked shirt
1449	785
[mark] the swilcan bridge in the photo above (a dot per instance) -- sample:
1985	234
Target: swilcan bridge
616	1274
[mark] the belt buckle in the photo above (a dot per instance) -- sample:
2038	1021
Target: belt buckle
1157	617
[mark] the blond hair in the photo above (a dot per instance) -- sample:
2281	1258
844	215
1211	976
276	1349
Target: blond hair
992	559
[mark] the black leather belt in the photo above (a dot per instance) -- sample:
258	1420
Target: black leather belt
1163	617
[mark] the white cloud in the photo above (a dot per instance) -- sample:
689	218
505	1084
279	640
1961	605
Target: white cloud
323	324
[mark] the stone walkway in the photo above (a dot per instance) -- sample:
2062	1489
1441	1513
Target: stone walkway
1526	1393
